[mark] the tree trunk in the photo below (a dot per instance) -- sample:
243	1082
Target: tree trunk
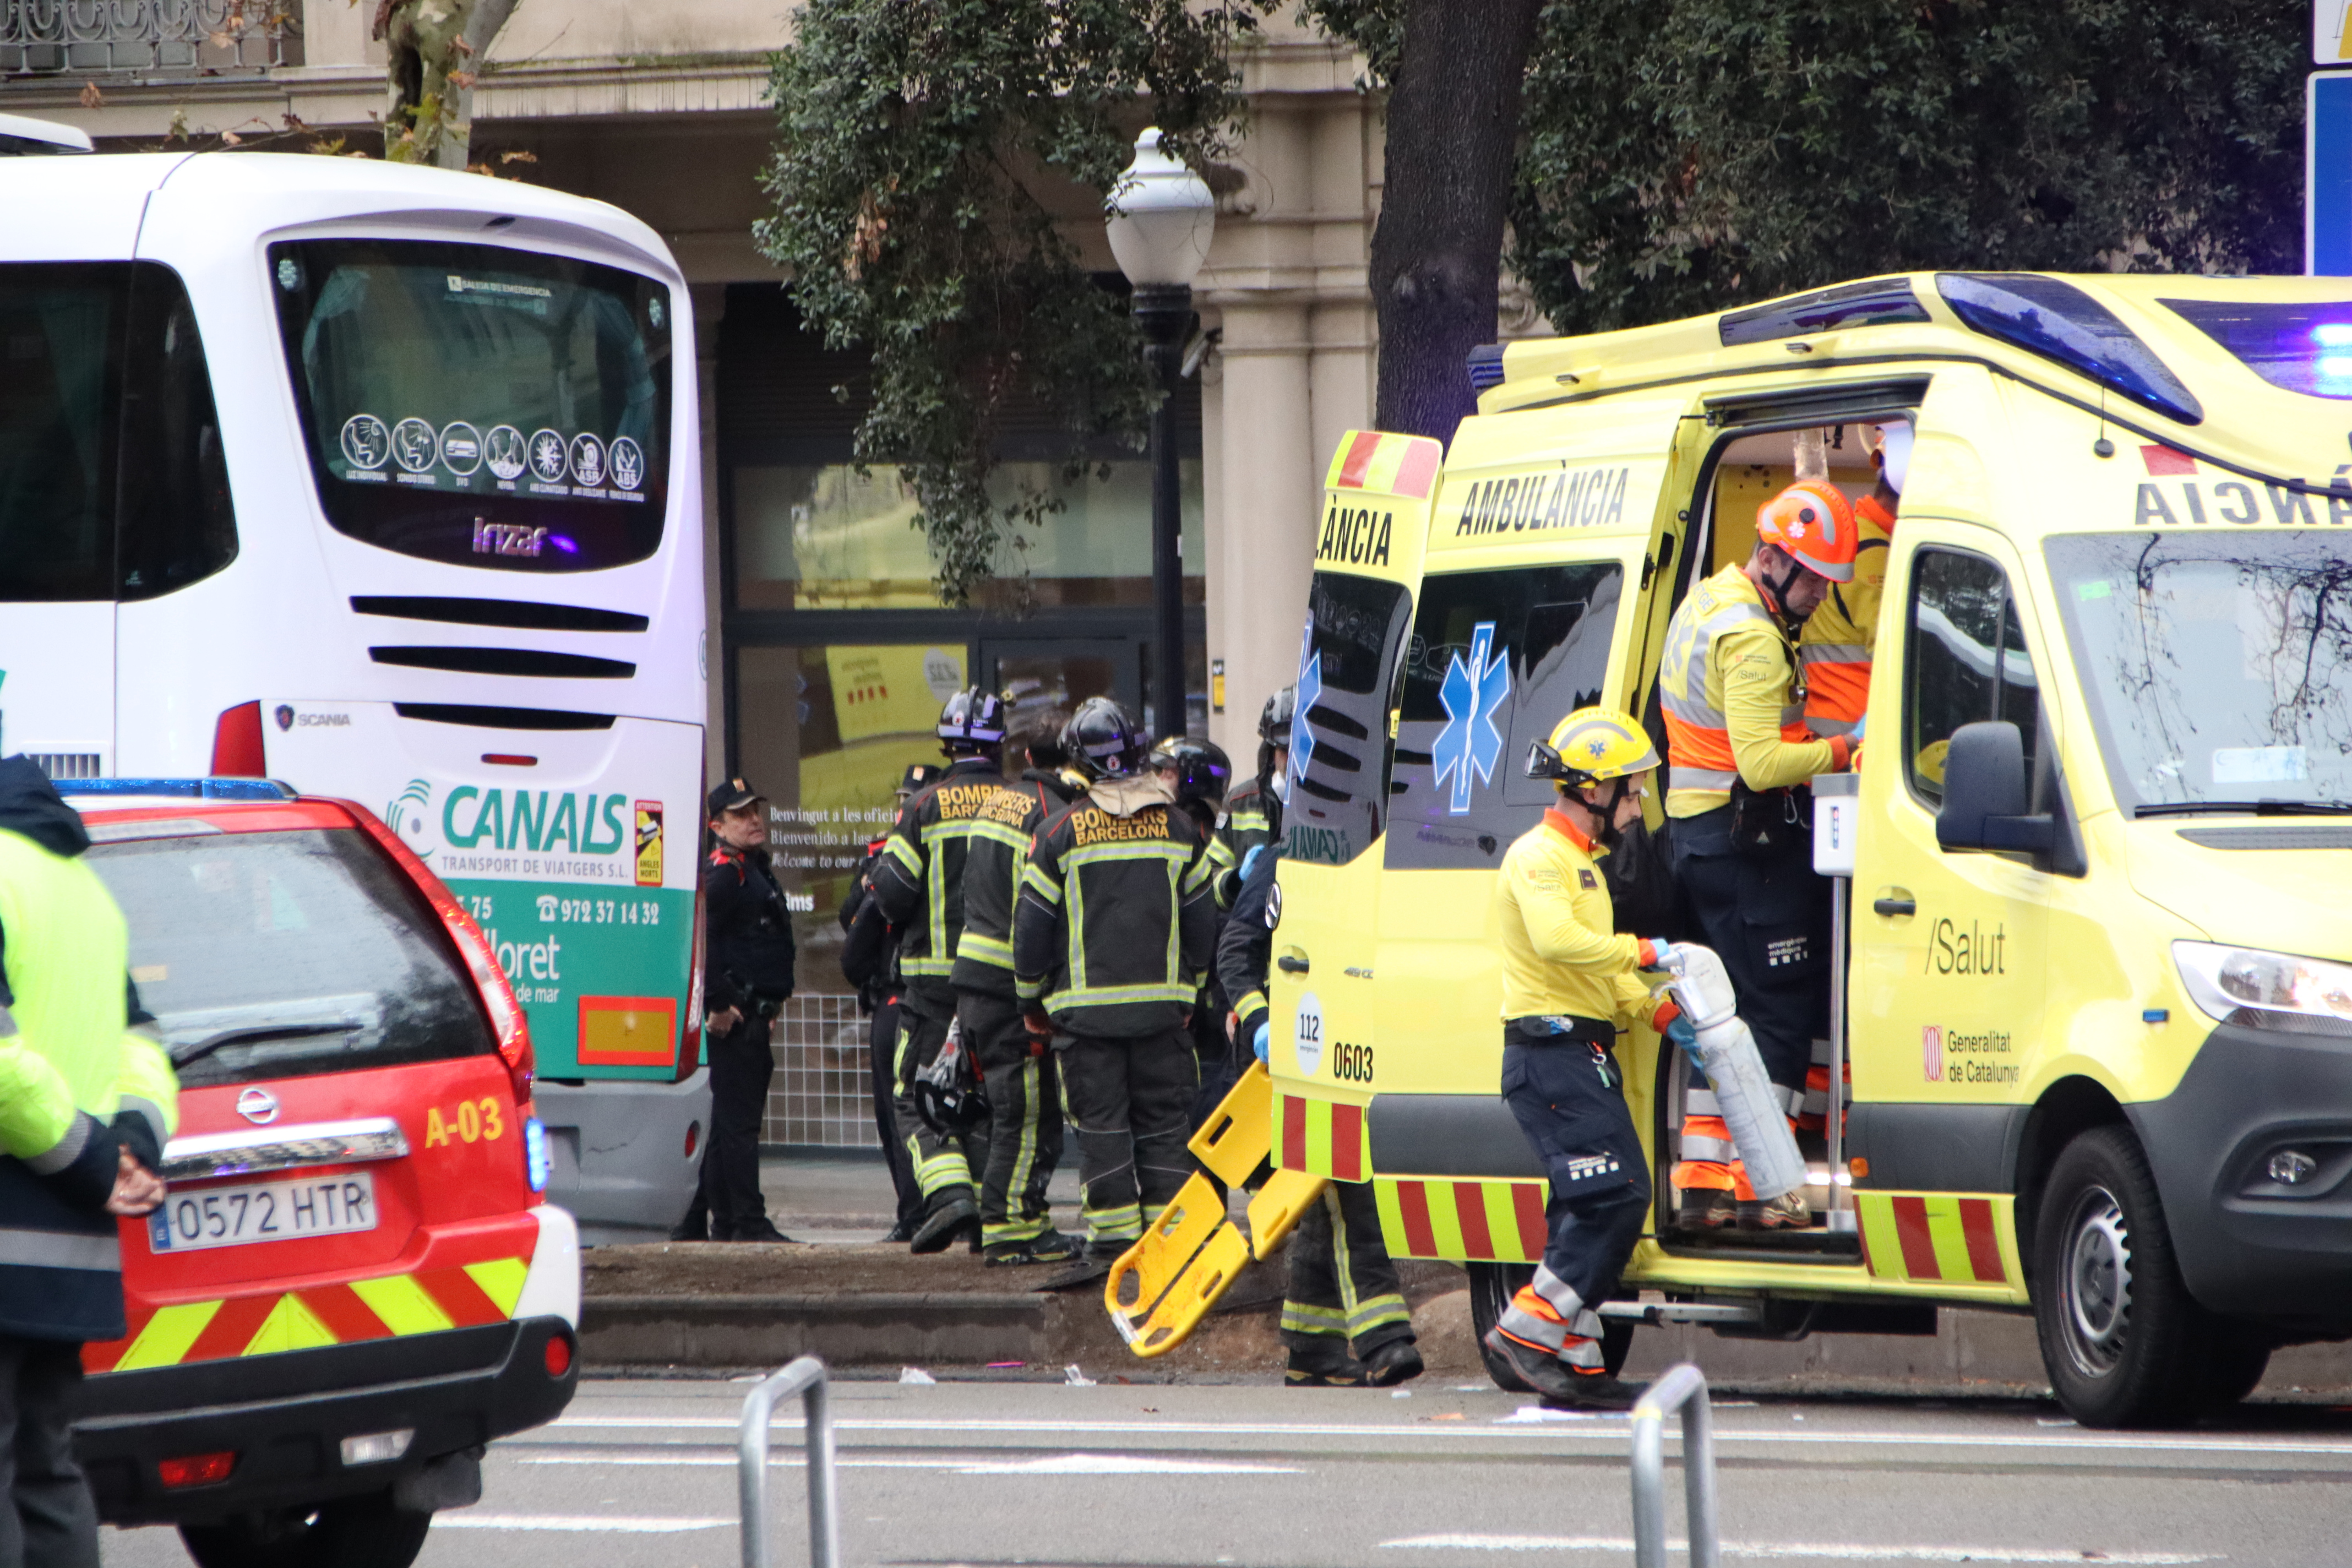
436	48
1437	252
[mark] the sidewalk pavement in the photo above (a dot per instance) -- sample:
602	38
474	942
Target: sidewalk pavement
845	1198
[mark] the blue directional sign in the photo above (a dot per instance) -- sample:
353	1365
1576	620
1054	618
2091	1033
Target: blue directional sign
2328	176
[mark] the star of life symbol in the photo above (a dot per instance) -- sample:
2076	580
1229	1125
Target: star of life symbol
1470	744
1310	692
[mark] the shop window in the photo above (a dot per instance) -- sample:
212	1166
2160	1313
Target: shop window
827	732
827	536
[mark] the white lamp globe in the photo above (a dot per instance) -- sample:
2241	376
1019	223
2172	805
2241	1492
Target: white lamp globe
1161	216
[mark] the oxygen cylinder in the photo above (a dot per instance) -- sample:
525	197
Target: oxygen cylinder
1752	1106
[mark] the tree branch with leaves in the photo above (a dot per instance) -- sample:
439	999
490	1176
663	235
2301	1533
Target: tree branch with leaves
918	142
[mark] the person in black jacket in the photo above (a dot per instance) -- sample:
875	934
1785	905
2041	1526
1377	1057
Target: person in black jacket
1344	1292
869	961
747	976
1047	774
1112	936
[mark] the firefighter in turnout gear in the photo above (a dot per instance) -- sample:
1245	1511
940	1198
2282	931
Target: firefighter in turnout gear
1343	1293
1024	1134
869	961
1252	814
1566	978
1112	936
1740	750
919	882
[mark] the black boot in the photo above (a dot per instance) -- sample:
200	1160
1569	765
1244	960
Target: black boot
1594	1391
952	1215
1537	1369
1391	1364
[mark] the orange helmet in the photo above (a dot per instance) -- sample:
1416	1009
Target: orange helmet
1813	522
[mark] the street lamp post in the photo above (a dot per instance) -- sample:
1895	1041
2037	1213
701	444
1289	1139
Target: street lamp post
1161	216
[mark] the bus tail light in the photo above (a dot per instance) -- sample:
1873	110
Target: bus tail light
196	1469
237	743
507	1021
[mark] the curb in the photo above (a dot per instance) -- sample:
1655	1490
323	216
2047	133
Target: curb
953	1328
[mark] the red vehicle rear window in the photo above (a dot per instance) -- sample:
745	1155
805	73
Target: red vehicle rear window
279	954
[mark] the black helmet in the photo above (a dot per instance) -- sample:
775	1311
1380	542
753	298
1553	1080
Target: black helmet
1102	741
1274	720
1204	772
973	719
948	1094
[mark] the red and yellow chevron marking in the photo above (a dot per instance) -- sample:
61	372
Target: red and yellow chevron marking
1384	463
1939	1238
1321	1137
386	1306
1500	1221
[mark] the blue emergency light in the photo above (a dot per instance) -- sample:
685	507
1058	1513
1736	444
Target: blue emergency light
181	789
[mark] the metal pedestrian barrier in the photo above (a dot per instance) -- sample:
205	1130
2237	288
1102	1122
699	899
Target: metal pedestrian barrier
1683	1387
805	1378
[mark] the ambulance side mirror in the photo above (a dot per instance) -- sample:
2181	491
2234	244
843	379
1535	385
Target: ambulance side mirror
1985	794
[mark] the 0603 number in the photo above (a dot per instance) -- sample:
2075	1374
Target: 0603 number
1351	1062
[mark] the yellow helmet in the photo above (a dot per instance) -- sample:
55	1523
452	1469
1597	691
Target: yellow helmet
1592	745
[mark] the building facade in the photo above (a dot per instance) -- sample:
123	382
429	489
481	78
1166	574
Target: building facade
833	651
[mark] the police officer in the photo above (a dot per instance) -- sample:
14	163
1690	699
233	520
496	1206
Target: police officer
746	975
1742	849
1344	1294
919	883
1566	978
85	1107
869	961
1110	940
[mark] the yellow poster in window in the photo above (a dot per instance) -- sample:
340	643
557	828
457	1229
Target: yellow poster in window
891	690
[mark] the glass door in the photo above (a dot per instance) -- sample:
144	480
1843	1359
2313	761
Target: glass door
1041	676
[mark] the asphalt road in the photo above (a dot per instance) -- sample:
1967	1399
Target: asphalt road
1004	1473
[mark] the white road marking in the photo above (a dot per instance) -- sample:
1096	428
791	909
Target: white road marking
1124	1465
1060	1465
1836	1551
1613	1432
583	1523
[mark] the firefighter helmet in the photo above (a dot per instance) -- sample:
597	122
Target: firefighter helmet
1204	772
971	719
1102	741
1812	522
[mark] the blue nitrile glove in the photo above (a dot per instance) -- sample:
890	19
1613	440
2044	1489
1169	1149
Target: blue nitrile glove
1258	1042
1686	1037
1855	735
1250	859
1662	952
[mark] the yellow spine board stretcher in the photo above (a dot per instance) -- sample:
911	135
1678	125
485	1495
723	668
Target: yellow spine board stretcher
1163	1287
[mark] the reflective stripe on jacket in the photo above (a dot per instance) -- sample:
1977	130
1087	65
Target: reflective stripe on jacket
1729	689
1839	638
919	879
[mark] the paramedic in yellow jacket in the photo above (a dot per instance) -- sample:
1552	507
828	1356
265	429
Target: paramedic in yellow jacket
1737	738
1566	979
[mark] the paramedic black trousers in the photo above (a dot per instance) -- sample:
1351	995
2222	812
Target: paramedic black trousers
1767	915
1562	1080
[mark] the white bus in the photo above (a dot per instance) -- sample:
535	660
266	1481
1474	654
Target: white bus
386	482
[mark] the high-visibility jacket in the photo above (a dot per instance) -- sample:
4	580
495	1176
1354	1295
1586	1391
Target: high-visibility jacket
918	881
996	853
76	1084
1117	926
1836	649
1728	687
1562	954
1252	817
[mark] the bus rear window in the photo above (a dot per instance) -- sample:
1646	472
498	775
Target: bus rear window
480	405
284	955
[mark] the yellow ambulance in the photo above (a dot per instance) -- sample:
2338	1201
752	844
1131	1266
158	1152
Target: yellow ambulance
2095	983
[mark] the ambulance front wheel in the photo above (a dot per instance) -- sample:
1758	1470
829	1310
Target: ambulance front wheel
1492	1286
2120	1334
